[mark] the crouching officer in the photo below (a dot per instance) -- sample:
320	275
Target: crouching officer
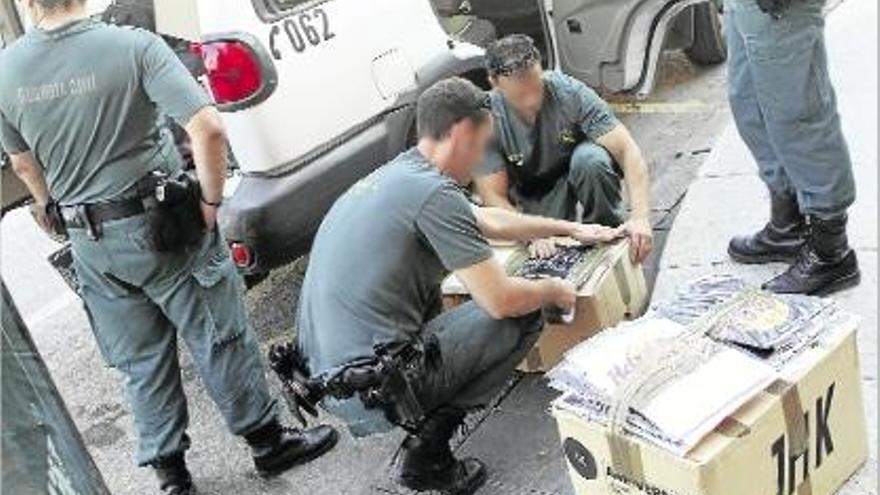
79	102
786	112
558	145
371	334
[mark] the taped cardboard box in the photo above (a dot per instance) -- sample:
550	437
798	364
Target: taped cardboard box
610	289
805	435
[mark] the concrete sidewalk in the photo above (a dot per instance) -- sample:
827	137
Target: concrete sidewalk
728	198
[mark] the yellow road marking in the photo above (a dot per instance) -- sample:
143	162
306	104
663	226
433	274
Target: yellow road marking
692	106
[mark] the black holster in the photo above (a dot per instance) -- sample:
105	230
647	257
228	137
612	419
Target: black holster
173	211
396	376
56	221
387	382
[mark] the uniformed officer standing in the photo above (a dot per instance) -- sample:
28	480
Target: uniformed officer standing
373	283
79	103
786	112
559	145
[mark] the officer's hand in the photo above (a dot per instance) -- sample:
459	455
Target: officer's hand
641	238
562	294
209	214
542	248
545	248
41	216
38	211
591	233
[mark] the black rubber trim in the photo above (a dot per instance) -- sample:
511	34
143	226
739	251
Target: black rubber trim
267	68
651	37
258	213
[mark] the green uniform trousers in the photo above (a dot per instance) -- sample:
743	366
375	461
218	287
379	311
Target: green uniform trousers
784	104
593	180
139	302
475	357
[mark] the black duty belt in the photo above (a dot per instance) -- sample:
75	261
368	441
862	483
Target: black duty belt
92	216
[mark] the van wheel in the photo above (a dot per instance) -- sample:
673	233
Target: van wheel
710	46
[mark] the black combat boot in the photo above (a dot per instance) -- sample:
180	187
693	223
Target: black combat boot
427	461
276	448
824	265
174	477
779	241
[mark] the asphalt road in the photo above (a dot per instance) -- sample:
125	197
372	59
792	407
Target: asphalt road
676	127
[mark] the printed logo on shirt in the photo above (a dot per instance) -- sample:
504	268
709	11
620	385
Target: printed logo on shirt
567	138
76	86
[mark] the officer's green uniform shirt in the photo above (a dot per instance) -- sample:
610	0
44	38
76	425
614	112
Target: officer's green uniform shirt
571	113
89	113
379	258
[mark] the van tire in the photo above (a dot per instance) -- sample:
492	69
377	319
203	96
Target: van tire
710	46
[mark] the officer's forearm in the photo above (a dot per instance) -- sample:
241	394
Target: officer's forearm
621	145
503	296
492	189
638	184
521	297
208	139
26	168
498	201
635	176
506	225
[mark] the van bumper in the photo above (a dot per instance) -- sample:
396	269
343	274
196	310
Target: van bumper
277	216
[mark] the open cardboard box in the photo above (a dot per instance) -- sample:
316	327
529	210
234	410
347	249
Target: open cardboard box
805	435
610	289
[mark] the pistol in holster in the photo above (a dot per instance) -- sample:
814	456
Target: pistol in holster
387	382
173	211
57	227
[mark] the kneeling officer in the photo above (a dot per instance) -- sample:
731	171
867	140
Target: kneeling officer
79	102
370	321
559	145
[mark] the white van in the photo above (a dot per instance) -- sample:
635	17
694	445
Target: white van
317	93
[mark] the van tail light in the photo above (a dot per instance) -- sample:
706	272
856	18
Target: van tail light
242	255
233	70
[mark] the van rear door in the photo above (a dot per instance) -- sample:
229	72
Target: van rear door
612	44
